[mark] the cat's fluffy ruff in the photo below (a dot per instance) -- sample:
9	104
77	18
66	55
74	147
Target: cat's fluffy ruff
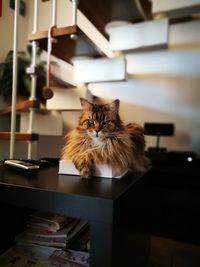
119	146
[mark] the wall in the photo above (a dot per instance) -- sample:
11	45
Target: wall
162	86
6	29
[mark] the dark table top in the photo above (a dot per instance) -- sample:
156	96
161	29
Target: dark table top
46	188
48	179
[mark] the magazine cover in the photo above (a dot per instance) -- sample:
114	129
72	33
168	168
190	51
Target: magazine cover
13	258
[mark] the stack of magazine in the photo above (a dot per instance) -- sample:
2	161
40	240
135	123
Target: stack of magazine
50	240
50	229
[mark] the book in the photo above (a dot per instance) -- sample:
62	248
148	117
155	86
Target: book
61	238
59	242
60	233
50	221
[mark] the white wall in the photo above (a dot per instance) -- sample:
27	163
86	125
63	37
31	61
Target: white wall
6	29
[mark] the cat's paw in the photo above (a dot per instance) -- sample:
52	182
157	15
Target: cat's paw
87	172
85	168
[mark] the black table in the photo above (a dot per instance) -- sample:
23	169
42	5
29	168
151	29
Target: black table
104	202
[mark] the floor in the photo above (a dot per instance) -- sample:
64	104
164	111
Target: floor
169	253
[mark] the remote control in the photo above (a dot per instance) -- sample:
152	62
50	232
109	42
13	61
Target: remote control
20	165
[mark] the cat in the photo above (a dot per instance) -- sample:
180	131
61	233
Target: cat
100	137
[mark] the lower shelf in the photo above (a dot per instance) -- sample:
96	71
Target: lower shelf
32	239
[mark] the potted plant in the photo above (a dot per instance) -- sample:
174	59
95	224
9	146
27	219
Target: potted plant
23	79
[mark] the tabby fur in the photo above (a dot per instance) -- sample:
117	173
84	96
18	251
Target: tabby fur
100	137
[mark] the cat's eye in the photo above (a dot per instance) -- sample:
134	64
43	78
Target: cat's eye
91	121
107	123
86	123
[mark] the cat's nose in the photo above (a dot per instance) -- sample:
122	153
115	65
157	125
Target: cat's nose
97	129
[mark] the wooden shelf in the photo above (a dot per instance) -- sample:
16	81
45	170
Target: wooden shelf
64	47
19	136
21	106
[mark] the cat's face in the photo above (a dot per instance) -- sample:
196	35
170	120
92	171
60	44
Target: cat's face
99	120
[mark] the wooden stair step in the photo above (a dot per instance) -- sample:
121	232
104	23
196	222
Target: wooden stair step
23	105
19	136
64	47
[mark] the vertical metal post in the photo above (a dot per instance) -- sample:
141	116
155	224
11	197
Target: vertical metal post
34	51
54	12
33	77
35	18
74	11
49	42
14	83
74	18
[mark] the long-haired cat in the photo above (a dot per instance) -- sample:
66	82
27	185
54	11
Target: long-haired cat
100	137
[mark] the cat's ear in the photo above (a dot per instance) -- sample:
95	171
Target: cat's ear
114	106
86	105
